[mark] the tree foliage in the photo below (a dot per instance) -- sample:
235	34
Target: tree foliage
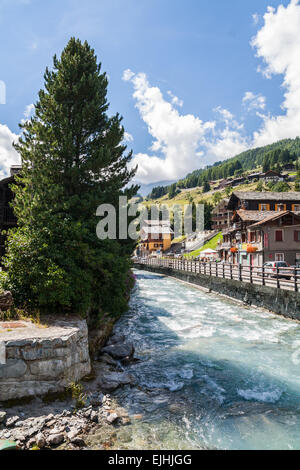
73	160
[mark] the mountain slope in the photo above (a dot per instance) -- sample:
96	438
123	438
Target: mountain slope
278	153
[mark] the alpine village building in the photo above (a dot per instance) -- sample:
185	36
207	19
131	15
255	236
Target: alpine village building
265	226
156	235
221	216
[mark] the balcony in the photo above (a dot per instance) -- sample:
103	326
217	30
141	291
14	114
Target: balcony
224	246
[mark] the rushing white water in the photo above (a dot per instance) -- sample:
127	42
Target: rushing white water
212	374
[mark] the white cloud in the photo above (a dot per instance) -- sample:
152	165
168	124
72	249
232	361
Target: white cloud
127	137
278	44
8	155
175	100
181	142
253	101
127	75
28	111
255	18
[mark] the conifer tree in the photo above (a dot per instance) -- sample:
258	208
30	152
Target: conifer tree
73	160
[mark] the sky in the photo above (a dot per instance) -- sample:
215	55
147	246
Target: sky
195	81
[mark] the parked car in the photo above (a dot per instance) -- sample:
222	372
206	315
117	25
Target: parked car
271	269
296	269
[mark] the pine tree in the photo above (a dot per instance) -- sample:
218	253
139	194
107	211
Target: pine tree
206	187
73	161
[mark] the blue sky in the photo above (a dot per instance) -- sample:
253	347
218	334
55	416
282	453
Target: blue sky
202	92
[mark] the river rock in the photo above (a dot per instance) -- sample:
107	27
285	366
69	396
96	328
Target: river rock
10	422
109	381
55	439
107	359
95	399
40	441
94	416
119	350
116	338
112	418
2	416
73	434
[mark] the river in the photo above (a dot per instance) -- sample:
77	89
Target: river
213	374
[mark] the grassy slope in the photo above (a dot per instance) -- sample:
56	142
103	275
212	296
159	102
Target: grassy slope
212	244
196	195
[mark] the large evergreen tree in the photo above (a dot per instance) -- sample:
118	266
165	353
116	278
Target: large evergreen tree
73	161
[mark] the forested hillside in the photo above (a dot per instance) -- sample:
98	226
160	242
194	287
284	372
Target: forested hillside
273	156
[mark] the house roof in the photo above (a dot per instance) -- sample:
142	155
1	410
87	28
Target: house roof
254	216
157	223
266	196
272	172
276	216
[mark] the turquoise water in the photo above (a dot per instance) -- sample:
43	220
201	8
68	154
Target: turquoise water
213	374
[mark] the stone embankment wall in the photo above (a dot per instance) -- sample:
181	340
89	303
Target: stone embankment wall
41	360
282	302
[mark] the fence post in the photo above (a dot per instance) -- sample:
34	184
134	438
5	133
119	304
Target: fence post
231	274
263	275
217	273
240	272
223	270
277	275
296	279
251	279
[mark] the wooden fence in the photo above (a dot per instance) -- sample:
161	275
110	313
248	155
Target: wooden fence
280	278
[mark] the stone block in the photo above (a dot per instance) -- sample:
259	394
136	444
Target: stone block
13	368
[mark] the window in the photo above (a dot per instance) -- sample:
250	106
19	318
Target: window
278	236
252	236
279	256
297	235
280	207
264	207
296	207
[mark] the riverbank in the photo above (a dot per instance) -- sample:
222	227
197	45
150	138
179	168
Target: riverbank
65	420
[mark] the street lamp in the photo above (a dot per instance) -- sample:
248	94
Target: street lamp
238	237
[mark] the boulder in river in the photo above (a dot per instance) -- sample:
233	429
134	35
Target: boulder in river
119	350
116	338
109	381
